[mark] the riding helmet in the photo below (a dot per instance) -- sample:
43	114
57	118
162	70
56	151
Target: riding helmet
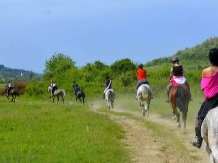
175	59
213	56
140	65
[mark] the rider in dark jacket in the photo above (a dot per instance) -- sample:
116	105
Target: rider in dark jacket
108	85
75	87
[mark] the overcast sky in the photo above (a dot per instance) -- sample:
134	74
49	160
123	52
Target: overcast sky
31	31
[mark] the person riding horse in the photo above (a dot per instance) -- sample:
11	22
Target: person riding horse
9	87
177	76
108	85
209	85
141	75
54	87
75	87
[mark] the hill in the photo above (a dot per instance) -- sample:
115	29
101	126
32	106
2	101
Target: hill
16	74
195	58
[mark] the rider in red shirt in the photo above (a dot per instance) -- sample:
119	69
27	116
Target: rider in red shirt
141	75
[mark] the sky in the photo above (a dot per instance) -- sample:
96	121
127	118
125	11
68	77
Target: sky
31	31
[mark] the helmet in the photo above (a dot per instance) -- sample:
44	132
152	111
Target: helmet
140	65
175	59
213	56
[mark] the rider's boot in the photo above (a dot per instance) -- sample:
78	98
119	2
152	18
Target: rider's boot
168	91
197	141
167	100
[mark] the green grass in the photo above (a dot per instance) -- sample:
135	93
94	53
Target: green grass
39	131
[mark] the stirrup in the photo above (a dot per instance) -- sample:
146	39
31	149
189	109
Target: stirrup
196	143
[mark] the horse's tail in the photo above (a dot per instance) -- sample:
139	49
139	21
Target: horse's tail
146	92
63	91
182	99
17	93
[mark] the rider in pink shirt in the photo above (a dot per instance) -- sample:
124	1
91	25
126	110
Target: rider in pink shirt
209	84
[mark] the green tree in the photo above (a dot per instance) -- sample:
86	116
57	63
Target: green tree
57	64
122	66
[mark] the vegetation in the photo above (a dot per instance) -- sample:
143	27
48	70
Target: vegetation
36	130
39	131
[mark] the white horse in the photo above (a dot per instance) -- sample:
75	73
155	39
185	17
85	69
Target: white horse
110	96
144	95
57	92
209	132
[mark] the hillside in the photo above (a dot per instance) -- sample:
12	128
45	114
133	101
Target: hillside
194	58
16	74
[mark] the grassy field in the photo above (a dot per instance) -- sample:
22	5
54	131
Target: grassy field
40	131
37	131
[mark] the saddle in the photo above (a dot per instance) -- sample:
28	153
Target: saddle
178	80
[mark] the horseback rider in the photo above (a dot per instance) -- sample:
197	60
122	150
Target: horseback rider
177	76
209	84
141	75
9	87
108	85
75	87
54	87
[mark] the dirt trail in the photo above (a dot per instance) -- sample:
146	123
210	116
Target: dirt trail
144	147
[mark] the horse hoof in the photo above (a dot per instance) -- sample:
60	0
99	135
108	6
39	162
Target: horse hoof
173	116
179	125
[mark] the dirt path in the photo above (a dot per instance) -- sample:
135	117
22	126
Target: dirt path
145	149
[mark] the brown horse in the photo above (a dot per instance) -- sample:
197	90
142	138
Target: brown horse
180	96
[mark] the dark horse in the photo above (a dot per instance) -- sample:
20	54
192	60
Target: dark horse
57	93
12	92
180	96
80	95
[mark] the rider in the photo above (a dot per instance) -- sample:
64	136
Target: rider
54	87
75	87
177	75
141	75
209	84
9	86
108	85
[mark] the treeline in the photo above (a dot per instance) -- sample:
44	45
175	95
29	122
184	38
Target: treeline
16	74
63	70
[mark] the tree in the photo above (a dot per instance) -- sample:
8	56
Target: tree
57	64
122	66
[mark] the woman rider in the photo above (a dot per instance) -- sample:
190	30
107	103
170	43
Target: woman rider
177	75
209	84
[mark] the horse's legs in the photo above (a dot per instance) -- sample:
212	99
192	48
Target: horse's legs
176	113
57	98
62	98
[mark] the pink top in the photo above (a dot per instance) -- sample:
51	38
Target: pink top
210	86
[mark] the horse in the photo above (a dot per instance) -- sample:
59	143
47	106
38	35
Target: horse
110	97
144	96
57	93
179	96
13	93
209	132
80	95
